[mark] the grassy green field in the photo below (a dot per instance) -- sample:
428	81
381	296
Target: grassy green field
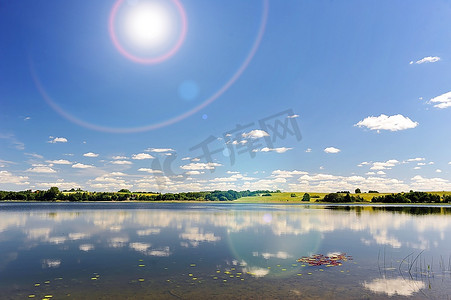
286	197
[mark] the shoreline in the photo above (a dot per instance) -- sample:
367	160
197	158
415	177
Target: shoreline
356	204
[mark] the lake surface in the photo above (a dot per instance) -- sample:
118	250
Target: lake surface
202	251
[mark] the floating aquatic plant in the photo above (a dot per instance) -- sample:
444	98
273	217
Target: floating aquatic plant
332	260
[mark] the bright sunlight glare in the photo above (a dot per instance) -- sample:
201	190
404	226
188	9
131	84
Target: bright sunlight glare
148	25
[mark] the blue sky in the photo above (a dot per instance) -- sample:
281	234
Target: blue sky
293	95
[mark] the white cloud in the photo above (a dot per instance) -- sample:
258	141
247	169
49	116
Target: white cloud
140	247
194	173
318	177
38	233
109	184
415	159
194	234
86	247
117	174
117	242
391	123
8	177
387	165
105	178
427	59
396	286
256	271
159	150
90	154
163	252
442	101
438	171
308	150
331	183
255	134
149	231
3	163
51	263
60	183
74	236
280	255
35	155
59	162
150	170
141	156
278	150
363	164
293	116
57	240
121	162
430	184
27	118
119	157
13	140
287	174
57	140
332	150
380	173
223	179
41	169
200	166
81	166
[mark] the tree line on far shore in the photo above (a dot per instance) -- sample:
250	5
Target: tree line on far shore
410	197
53	194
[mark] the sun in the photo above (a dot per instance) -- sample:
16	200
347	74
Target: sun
147	31
148	24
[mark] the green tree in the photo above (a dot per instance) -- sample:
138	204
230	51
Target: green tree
293	195
124	191
52	193
357	191
306	197
347	198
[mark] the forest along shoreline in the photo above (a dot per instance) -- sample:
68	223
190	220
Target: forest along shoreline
53	194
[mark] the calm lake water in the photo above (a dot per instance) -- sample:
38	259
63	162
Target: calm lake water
197	251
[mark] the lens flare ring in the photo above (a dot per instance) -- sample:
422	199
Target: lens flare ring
169	121
150	60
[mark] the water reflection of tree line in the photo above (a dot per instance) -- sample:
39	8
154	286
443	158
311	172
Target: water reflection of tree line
411	210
